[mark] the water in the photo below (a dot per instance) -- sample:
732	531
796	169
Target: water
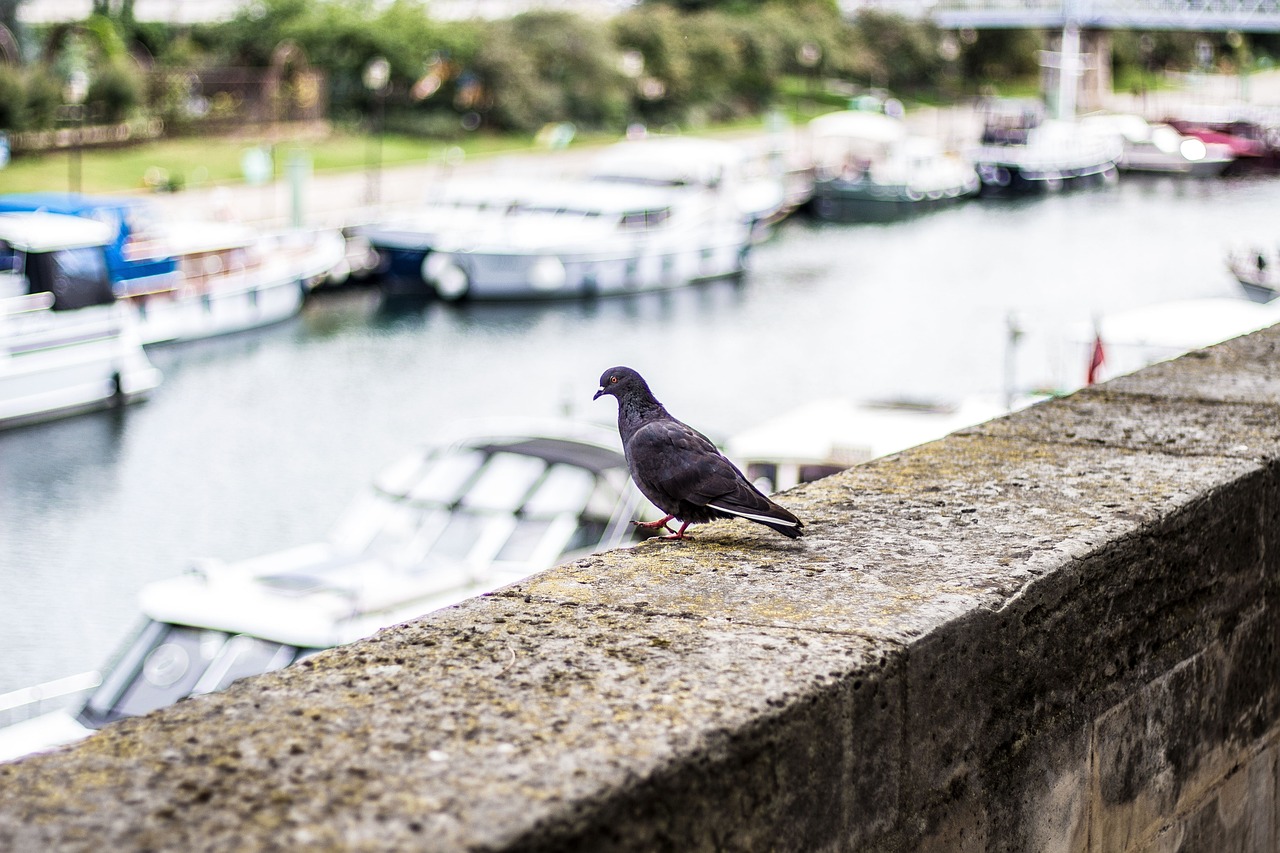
256	442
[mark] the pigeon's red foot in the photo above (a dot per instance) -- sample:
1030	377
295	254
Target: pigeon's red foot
655	525
679	534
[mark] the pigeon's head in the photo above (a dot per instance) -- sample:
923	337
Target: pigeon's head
620	381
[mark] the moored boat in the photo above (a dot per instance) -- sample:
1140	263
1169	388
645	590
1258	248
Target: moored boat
652	214
66	344
1257	269
403	242
191	279
451	520
868	167
1022	152
1159	148
828	435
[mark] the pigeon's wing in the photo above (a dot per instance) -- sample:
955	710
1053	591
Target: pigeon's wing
676	465
679	463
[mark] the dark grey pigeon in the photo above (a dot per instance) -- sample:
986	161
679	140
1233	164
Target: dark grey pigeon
679	469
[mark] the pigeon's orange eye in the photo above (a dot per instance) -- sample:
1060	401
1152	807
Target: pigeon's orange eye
613	379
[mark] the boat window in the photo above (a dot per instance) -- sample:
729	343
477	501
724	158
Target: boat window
566	488
76	277
604	499
504	482
654	218
524	540
460	535
399	528
588	534
444	481
633	220
243	656
10	260
163	667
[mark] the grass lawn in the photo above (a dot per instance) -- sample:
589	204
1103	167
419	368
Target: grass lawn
201	161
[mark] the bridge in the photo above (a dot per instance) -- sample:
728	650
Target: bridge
1194	15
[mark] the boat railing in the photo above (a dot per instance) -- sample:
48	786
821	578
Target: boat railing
25	303
28	702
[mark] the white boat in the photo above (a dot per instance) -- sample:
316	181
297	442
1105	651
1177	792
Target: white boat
66	344
228	278
447	522
653	214
1257	269
745	179
829	435
1125	341
191	279
868	167
1021	152
1161	149
403	242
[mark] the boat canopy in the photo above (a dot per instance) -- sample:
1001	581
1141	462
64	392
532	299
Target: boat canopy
131	222
56	254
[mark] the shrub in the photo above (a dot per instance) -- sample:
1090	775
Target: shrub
13	98
115	93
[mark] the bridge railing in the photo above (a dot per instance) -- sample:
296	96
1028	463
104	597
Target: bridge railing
1205	15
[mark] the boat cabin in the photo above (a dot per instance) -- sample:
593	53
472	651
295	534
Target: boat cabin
134	251
61	256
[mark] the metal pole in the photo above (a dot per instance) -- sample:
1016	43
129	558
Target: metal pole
1068	70
74	180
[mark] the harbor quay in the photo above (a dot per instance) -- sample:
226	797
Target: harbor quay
1054	631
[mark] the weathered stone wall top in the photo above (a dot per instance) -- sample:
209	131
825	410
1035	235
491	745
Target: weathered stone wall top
1053	631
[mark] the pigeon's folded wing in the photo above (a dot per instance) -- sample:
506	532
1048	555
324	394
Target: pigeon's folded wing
680	462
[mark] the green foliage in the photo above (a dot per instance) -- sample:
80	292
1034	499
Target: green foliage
1002	56
13	98
115	92
895	53
106	38
543	67
44	96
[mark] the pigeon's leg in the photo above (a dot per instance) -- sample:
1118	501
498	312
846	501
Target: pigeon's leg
679	534
654	525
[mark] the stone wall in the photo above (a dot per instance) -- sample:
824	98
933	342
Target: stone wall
1054	632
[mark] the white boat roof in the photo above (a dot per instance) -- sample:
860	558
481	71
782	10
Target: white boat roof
49	232
841	432
185	237
1184	324
669	159
857	124
600	197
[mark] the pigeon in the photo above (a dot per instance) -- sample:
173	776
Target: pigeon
679	469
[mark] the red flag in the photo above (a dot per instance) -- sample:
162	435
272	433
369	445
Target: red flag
1096	358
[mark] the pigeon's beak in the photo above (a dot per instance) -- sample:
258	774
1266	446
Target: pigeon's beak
598	393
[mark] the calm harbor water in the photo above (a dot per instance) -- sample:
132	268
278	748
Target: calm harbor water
256	442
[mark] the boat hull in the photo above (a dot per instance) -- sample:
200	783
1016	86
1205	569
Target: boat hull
175	316
1008	177
55	364
498	275
842	201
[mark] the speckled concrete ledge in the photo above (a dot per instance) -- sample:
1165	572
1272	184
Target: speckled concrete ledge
1057	631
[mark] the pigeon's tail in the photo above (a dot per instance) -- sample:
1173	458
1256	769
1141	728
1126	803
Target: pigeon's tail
772	516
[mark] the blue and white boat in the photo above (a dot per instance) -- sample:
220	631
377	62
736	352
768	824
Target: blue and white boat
66	343
194	279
